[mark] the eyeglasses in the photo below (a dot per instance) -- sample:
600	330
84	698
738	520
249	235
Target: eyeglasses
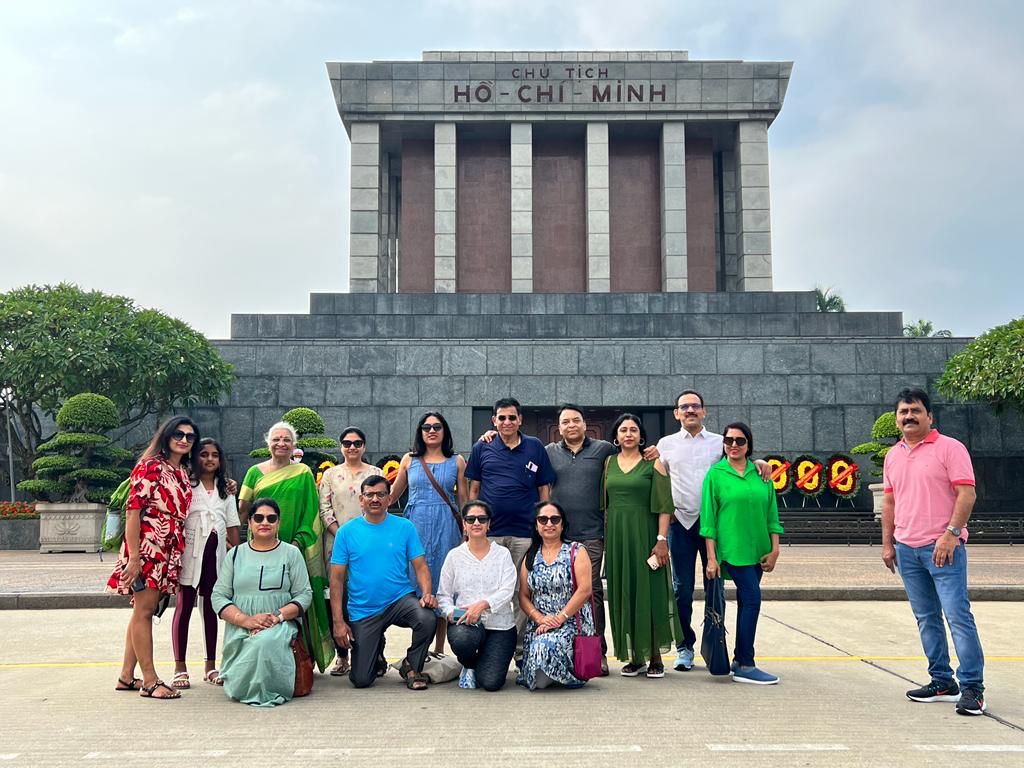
259	518
474	519
188	437
432	427
375	494
740	441
689	407
503	418
549	520
352	443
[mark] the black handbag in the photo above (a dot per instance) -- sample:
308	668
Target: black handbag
713	648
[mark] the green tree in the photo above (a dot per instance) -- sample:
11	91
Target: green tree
923	329
989	369
829	300
59	341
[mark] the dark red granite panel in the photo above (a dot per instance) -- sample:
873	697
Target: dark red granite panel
484	263
634	195
700	215
559	215
416	228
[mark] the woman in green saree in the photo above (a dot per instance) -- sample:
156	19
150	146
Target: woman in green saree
292	486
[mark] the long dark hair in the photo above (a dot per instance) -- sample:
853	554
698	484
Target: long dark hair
220	476
535	539
419	446
746	433
160	445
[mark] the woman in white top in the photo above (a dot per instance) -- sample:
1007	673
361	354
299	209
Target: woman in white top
478	580
212	522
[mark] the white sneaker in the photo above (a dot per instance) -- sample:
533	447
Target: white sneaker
684	660
467	679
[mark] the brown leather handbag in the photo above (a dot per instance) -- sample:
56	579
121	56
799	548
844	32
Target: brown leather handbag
303	665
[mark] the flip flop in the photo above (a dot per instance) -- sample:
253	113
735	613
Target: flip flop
147	693
340	668
181	681
134	685
213	677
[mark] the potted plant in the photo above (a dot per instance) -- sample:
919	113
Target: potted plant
312	441
884	434
75	473
19	525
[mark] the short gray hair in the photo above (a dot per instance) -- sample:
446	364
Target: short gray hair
281	425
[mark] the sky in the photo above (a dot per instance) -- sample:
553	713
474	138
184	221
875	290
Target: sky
190	155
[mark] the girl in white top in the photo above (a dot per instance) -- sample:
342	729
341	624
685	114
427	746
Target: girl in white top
478	580
212	523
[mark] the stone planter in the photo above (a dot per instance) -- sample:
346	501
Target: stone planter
71	527
877	498
19	534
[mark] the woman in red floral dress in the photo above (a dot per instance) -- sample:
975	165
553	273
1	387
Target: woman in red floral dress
154	539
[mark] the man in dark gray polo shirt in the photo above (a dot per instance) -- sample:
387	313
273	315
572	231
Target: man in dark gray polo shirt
578	462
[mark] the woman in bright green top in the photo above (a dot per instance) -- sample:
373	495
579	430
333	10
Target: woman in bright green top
638	502
739	518
292	486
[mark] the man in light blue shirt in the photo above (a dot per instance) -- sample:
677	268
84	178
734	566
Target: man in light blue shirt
370	569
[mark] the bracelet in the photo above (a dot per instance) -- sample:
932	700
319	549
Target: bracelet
564	615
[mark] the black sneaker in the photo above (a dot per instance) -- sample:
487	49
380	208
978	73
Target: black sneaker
972	702
935	691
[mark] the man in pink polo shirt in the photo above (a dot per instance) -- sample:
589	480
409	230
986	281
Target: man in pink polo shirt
929	495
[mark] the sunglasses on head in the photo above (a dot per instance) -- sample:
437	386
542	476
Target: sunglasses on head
352	443
740	441
259	517
375	494
188	437
503	417
432	427
549	519
473	519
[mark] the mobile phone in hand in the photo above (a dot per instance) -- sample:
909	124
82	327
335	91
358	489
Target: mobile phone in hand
458	613
652	561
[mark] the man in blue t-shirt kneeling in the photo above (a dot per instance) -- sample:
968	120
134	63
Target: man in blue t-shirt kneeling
370	570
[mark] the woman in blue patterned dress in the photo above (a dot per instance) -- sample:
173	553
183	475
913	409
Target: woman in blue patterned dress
547	597
433	510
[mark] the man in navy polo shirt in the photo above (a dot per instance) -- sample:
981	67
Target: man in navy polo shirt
511	474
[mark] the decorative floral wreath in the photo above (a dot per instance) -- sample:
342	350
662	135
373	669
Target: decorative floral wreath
782	475
842	475
810	475
389	466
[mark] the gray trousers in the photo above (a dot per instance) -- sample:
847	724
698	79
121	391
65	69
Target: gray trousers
517	548
368	637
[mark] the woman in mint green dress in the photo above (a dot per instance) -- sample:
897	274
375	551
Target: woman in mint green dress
262	588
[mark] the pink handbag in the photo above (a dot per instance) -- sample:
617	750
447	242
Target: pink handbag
586	649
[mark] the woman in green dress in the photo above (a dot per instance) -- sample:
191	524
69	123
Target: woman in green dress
260	591
638	505
293	488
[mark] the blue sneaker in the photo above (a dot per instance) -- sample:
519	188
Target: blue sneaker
733	667
684	660
753	675
467	679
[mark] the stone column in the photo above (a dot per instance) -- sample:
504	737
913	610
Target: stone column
673	207
522	207
753	211
598	238
445	213
364	229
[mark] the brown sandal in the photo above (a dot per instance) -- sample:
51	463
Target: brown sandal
414	681
147	693
134	685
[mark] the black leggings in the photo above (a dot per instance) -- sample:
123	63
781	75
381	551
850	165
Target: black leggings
187	598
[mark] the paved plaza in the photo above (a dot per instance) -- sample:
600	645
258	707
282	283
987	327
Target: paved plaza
844	666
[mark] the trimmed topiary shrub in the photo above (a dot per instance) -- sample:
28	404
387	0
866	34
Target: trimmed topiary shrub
315	445
79	463
884	434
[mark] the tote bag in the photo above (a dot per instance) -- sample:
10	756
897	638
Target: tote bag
712	646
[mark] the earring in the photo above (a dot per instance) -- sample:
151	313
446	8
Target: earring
615	442
641	443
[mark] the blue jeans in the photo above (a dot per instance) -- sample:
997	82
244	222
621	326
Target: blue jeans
747	579
934	592
487	651
684	544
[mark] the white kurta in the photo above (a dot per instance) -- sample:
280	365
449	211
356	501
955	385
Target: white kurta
208	514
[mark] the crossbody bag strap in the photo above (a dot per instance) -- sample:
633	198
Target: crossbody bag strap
440	492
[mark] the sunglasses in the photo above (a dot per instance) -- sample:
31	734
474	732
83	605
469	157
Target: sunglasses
546	520
272	518
188	437
504	418
740	441
473	519
375	494
432	427
352	443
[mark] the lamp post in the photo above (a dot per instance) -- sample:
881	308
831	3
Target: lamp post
6	393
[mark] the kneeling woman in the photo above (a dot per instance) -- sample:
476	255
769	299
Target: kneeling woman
554	583
262	587
478	580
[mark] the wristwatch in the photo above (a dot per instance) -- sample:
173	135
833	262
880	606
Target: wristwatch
279	616
954	530
661	538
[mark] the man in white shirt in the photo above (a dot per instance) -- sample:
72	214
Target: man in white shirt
687	456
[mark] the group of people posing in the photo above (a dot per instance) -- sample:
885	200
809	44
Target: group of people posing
500	555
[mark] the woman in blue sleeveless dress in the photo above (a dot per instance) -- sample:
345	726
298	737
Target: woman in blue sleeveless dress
433	511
